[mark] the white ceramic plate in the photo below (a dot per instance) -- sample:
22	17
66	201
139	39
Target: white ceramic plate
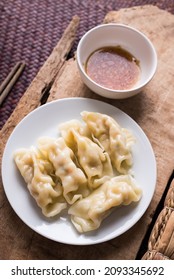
44	121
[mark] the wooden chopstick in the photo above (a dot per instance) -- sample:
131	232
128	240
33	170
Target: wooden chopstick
10	80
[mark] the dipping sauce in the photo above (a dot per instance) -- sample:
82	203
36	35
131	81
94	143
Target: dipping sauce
113	68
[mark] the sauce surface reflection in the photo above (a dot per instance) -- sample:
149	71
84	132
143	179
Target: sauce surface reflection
113	68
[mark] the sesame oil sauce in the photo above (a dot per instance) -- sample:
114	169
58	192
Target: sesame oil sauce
113	68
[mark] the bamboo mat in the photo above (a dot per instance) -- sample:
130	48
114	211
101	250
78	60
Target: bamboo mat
30	29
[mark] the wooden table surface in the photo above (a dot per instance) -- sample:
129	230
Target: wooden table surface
152	110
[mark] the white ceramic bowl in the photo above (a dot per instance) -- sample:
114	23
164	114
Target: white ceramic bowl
130	39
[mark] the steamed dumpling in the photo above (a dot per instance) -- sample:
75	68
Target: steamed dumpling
115	140
76	125
94	161
73	180
41	181
88	213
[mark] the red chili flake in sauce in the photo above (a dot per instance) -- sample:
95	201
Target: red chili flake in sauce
113	68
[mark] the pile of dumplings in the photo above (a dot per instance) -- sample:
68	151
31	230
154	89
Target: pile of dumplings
86	170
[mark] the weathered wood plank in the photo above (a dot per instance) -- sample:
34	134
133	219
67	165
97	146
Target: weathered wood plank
152	109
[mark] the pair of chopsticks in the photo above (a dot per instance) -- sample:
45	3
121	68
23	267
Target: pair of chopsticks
10	80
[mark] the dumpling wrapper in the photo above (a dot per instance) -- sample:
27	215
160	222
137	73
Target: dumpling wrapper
65	130
88	213
73	180
42	184
115	140
94	161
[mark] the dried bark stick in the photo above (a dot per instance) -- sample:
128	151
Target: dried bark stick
68	83
42	82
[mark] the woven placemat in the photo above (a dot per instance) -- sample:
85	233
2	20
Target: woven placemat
31	28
